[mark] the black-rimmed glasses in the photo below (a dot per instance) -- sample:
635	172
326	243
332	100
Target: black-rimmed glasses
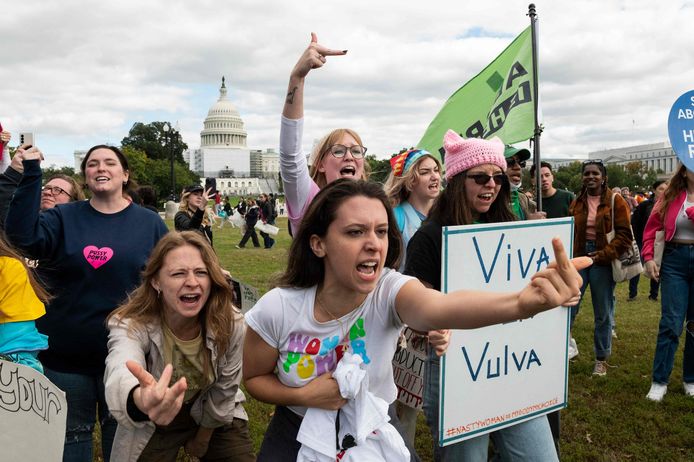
483	178
56	191
339	151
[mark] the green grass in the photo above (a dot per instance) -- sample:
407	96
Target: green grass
607	419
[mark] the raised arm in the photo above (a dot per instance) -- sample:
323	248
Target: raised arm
293	166
558	284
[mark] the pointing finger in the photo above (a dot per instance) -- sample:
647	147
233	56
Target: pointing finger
142	376
314	37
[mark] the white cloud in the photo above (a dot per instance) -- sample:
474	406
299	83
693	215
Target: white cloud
79	73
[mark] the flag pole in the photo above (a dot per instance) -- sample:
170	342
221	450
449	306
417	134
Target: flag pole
536	103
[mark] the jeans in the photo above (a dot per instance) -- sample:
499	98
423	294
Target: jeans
529	440
84	394
602	295
634	287
677	302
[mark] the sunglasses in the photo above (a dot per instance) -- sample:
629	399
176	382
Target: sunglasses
483	178
592	161
512	161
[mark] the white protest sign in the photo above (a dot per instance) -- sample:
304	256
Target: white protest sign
408	369
33	413
249	297
501	375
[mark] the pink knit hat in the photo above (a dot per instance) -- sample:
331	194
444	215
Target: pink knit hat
462	154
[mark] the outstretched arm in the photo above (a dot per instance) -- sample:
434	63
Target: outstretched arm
558	284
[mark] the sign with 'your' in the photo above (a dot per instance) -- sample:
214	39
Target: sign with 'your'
501	375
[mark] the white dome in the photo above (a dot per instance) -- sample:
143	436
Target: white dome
223	126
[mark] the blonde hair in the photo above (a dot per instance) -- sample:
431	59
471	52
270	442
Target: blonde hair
398	188
183	207
144	305
323	148
6	250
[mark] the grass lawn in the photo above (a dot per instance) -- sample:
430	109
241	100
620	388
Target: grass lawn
608	418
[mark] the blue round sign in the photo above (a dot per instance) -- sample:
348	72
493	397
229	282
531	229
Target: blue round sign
680	127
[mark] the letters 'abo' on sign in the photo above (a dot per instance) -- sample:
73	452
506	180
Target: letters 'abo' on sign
498	376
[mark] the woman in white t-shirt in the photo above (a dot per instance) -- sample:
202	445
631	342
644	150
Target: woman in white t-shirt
336	296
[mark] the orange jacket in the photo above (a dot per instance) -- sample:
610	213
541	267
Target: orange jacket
603	225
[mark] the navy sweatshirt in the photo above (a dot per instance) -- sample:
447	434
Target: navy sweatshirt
89	261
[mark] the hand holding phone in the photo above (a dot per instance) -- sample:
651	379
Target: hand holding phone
26	139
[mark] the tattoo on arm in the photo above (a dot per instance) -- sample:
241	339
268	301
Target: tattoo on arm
290	95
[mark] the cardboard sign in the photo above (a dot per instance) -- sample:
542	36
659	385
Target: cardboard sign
501	375
408	369
33	414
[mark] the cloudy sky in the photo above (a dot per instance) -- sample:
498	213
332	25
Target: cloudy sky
79	73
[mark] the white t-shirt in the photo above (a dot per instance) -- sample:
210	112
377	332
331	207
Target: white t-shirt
308	348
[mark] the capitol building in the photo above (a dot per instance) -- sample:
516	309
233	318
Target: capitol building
224	153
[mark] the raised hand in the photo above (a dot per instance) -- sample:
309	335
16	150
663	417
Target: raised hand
155	398
313	57
558	284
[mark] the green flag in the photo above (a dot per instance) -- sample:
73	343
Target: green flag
496	102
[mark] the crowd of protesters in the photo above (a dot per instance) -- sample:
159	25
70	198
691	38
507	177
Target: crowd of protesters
138	325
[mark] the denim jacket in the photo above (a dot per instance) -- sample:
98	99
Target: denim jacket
603	225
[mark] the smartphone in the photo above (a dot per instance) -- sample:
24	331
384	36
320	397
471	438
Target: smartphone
211	183
26	138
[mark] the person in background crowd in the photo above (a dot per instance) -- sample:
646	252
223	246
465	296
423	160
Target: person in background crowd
555	202
339	154
217	202
626	194
192	212
148	196
340	282
241	206
174	363
477	191
638	223
21	303
59	189
267	212
523	208
593	217
412	187
251	216
674	214
90	255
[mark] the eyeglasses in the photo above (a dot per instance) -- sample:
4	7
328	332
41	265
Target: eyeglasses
339	151
512	161
56	191
483	178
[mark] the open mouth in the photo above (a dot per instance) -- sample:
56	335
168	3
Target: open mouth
367	268
486	197
348	170
434	187
102	179
189	298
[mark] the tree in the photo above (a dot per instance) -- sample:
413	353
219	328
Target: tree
154	141
54	170
380	168
157	172
634	175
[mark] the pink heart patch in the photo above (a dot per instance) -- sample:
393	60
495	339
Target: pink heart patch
97	257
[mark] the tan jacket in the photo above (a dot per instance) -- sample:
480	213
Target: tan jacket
216	405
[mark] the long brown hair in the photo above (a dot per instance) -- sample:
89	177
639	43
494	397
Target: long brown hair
322	149
6	250
677	184
452	209
145	306
304	268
